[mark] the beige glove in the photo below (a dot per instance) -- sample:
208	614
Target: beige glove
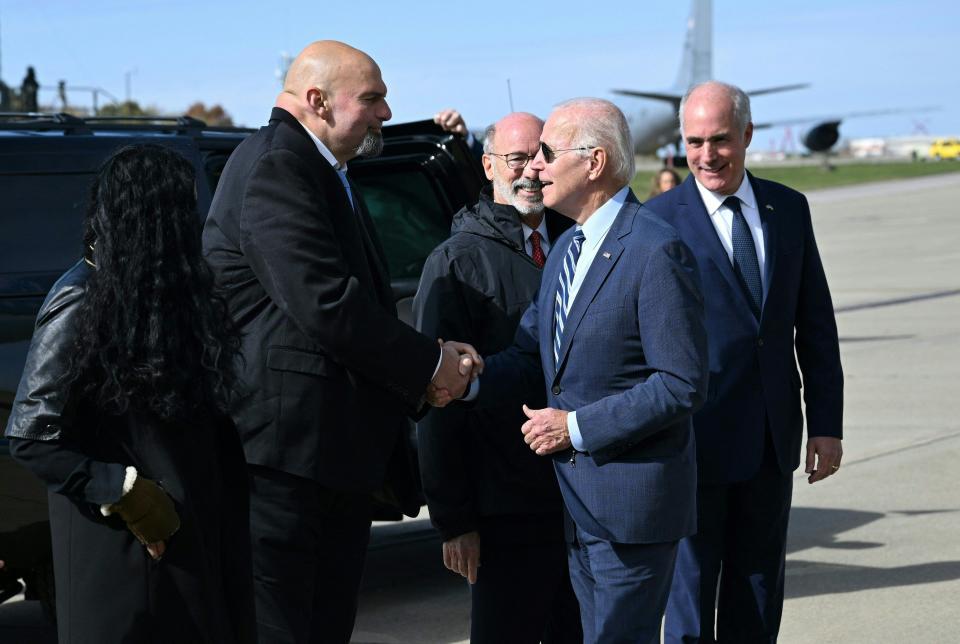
148	512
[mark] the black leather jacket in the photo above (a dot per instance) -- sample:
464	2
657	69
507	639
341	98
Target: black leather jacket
40	406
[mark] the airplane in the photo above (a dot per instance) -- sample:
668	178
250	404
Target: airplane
652	115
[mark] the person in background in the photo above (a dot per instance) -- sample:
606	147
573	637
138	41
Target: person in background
665	179
495	502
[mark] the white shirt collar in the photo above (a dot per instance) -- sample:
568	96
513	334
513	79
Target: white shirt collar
597	225
325	151
713	200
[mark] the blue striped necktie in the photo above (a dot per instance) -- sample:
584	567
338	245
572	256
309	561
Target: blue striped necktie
562	304
745	256
342	173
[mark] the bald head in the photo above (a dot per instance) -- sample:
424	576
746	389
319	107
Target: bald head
510	126
336	91
323	64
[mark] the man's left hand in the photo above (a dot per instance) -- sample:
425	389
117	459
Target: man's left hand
823	457
546	430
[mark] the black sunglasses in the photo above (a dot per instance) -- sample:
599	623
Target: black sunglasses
550	155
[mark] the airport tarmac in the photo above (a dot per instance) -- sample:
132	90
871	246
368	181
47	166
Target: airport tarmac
874	553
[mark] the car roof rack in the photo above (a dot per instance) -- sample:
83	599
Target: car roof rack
70	124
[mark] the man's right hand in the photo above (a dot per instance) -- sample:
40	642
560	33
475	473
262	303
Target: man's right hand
459	365
451	120
462	555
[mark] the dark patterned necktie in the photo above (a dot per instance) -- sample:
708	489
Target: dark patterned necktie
562	304
745	256
538	257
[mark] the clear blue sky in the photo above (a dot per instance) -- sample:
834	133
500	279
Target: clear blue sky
859	55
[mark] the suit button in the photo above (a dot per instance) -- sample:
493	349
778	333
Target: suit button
760	342
556	390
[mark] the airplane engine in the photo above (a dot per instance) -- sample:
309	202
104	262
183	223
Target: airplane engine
822	137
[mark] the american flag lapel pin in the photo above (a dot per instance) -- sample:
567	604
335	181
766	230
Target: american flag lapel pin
606	255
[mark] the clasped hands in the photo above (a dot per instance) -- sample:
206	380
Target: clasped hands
460	364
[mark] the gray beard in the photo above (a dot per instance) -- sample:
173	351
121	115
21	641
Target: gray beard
522	206
371	146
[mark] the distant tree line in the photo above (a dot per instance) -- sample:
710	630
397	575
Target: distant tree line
25	99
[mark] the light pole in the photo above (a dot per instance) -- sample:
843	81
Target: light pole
127	75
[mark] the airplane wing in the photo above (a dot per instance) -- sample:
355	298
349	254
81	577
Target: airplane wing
837	118
778	88
670	97
674	97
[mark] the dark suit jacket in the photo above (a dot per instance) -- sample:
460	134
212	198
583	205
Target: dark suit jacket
753	374
633	364
329	370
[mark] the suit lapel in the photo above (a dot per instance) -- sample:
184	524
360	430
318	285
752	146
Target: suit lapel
693	214
371	242
606	258
768	220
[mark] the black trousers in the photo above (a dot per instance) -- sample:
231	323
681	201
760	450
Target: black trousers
735	563
523	593
309	547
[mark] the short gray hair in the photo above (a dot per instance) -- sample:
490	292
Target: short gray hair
606	128
738	99
488	135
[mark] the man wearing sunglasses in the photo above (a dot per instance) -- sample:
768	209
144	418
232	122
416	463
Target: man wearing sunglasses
617	334
495	503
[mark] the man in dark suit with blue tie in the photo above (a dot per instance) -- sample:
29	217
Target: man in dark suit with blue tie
329	372
766	300
617	334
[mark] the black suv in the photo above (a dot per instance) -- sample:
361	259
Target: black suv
47	163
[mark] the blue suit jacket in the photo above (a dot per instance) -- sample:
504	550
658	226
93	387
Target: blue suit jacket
753	373
633	366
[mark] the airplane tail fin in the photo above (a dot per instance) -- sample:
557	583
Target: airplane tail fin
696	66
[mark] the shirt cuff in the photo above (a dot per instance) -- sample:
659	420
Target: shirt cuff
470	139
439	362
576	439
128	480
472	391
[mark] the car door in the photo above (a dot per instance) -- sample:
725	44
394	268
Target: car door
412	190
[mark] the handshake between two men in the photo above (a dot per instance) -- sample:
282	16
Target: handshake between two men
545	430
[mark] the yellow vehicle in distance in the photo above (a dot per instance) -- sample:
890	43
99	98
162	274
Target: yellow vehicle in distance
945	149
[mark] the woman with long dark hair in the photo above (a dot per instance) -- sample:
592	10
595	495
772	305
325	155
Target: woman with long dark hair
121	410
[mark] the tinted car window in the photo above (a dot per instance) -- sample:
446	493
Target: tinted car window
411	216
41	219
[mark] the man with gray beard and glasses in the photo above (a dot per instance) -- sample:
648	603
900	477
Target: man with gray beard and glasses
496	503
328	371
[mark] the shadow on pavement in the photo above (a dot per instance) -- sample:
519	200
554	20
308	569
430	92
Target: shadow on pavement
823	527
808	578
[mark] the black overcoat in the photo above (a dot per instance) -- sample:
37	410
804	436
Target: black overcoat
108	588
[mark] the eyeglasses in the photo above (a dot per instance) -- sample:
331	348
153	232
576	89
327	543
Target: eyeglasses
550	155
514	160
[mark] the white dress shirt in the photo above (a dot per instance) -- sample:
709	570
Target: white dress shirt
722	219
594	230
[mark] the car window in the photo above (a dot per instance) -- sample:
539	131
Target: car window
41	218
410	214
